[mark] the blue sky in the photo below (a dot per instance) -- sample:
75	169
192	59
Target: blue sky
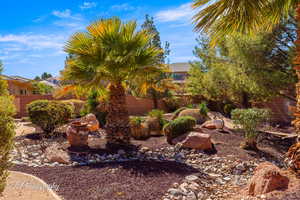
33	32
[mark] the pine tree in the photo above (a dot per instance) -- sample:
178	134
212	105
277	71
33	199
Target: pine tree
156	41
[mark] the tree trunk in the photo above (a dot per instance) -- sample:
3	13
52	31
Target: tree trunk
296	122
117	124
245	100
155	101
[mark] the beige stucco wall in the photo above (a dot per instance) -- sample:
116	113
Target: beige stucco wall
15	89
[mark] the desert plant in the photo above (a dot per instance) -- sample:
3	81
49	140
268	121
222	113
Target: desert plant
203	109
156	113
138	130
249	121
49	114
178	127
159	115
136	121
110	54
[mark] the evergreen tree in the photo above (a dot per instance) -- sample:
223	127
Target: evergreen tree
46	75
156	41
243	70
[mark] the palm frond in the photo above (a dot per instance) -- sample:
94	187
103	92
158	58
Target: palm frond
220	18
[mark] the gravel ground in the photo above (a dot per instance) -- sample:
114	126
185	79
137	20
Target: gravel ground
115	181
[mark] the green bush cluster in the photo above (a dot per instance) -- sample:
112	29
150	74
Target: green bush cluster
49	114
136	121
178	127
249	121
159	115
203	109
7	132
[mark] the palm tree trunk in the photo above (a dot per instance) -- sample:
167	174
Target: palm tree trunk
296	122
117	124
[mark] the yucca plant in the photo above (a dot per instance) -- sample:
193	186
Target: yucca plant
110	54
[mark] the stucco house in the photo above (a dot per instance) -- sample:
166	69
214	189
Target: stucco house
179	72
18	85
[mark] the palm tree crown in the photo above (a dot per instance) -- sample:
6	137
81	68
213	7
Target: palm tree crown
224	17
109	51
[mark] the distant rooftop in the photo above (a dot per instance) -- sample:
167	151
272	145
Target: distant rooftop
16	78
180	67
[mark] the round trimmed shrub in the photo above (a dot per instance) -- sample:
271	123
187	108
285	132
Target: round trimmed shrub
178	127
49	114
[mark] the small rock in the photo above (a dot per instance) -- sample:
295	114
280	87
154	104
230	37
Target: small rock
121	152
175	192
191	196
191	178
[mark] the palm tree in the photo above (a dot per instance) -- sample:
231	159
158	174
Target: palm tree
109	54
220	18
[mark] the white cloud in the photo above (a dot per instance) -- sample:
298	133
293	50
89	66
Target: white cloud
66	14
122	7
33	41
88	5
62	14
183	12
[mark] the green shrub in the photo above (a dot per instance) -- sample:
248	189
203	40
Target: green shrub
249	121
158	114
203	109
49	114
7	133
178	127
136	121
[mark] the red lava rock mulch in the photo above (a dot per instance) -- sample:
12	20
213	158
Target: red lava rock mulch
134	180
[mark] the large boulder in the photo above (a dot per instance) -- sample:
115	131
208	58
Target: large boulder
153	125
193	113
267	178
194	140
228	123
214	124
54	154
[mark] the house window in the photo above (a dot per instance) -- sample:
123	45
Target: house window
21	92
179	76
